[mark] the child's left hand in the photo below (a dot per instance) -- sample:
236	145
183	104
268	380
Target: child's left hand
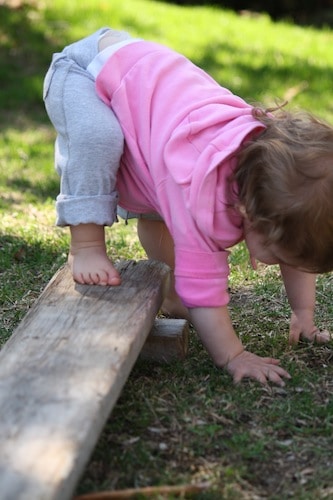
306	330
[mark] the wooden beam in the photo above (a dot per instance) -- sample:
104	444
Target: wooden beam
62	371
167	341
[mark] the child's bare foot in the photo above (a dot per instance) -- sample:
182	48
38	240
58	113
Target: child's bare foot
91	266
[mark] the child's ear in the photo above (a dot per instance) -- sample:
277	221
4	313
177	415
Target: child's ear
242	211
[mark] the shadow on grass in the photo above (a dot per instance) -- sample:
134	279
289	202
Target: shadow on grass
25	54
318	13
25	269
35	191
259	78
36	255
27	47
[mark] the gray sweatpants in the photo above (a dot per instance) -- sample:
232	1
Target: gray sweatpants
89	141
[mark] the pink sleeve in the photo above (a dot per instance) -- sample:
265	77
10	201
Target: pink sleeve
202	278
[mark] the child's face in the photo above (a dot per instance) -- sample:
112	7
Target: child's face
267	254
258	250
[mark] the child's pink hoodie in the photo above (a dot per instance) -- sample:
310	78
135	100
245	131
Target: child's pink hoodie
181	131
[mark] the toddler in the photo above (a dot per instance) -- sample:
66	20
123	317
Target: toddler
201	170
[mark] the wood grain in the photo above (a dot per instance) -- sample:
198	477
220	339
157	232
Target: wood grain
62	371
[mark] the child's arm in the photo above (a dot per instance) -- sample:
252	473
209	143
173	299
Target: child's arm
87	258
217	334
301	292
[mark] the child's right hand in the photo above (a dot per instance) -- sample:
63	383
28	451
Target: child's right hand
264	370
216	332
91	266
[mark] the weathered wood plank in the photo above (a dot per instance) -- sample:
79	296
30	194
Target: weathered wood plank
62	371
167	341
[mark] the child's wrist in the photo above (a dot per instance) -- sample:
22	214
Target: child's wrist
231	357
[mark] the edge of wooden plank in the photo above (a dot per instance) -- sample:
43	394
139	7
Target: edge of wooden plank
29	369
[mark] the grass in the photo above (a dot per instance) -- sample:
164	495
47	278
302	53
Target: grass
185	422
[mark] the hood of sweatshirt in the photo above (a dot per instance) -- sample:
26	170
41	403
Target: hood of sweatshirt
209	138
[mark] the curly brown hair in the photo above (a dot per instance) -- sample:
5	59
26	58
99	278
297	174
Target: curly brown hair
284	177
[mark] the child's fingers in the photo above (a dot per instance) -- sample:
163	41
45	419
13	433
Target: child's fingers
294	336
265	376
320	337
264	370
271	361
277	375
276	378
